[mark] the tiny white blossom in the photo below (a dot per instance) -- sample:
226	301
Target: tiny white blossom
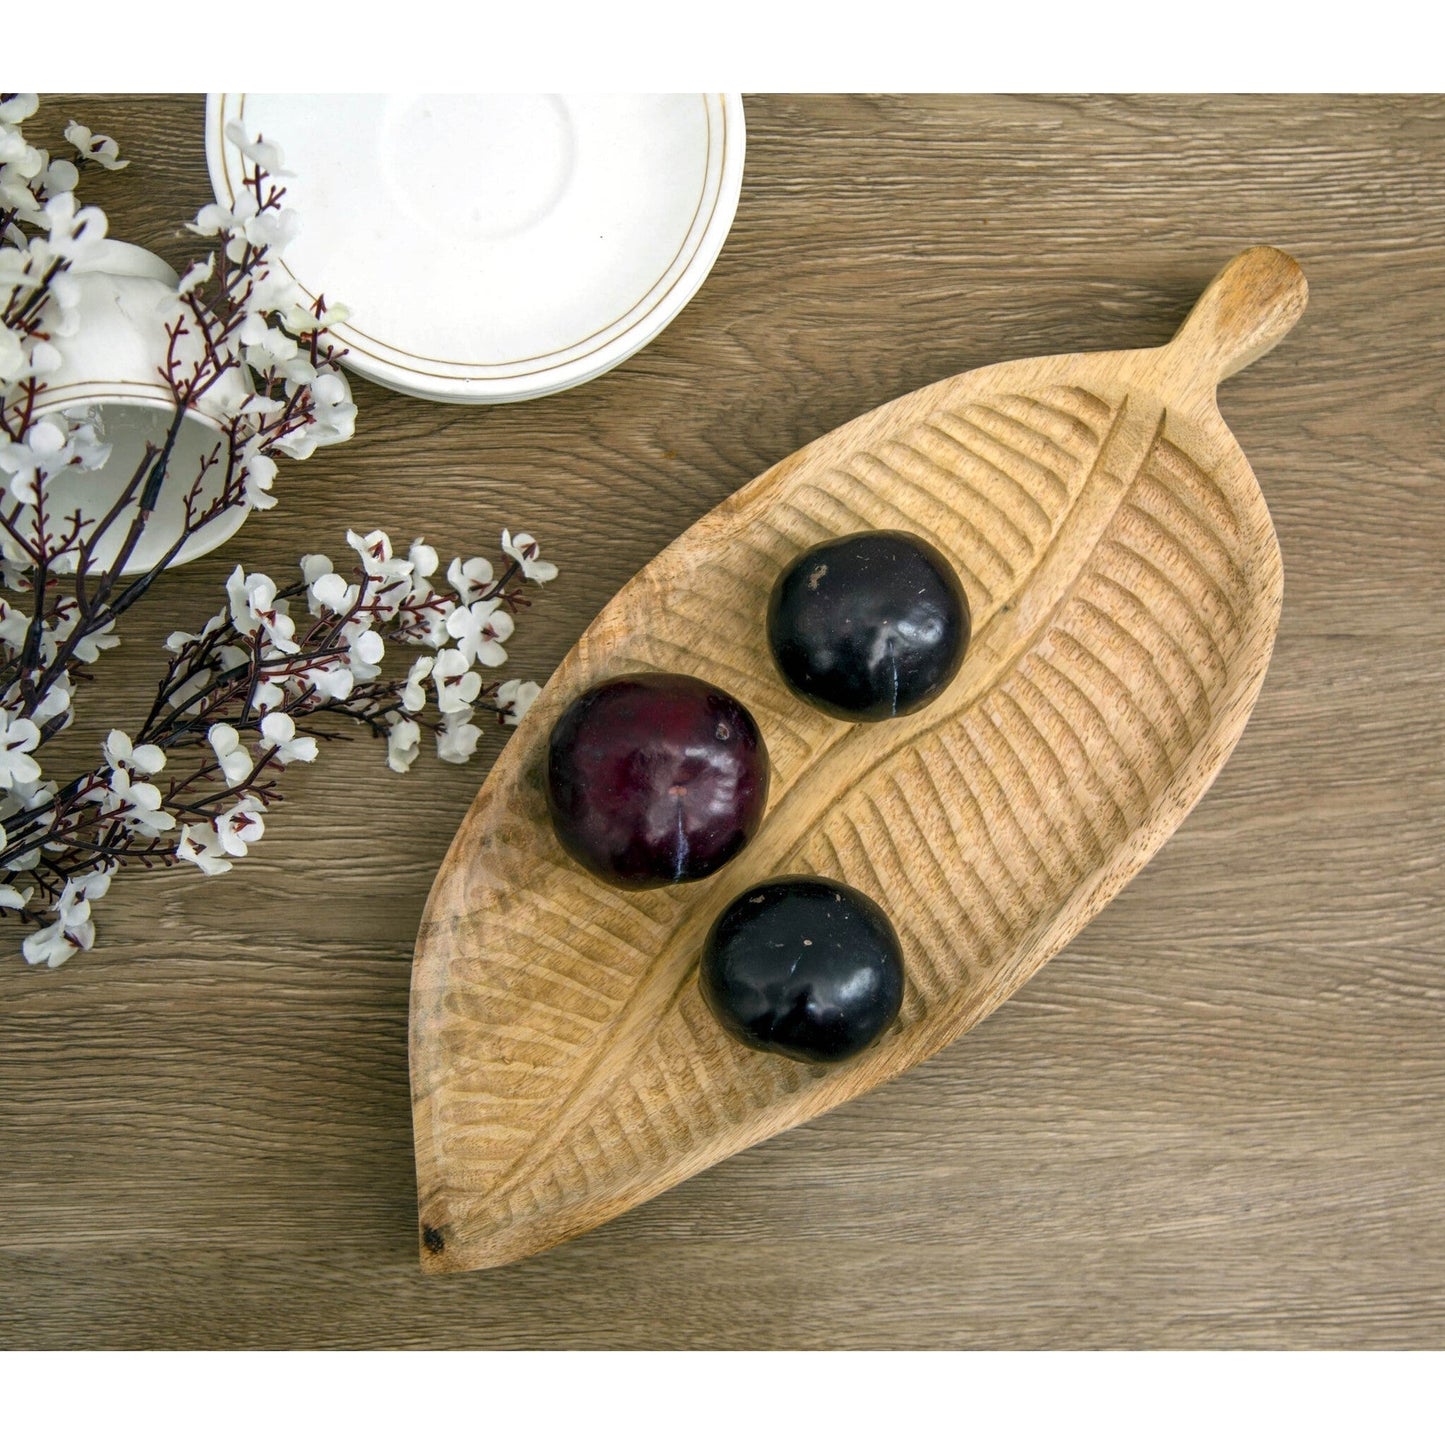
260	477
480	631
18	107
201	846
50	946
457	688
142	803
515	698
413	694
278	731
330	592
367	649
73	929
523	547
470	578
119	753
14	625
211	220
197	275
98	148
240	826
12	897
374	549
268	694
60	175
55	703
314	565
331	680
235	761
266	154
403	744
458	738
254	606
18	737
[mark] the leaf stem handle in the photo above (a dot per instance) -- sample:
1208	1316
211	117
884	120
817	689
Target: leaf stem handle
1244	311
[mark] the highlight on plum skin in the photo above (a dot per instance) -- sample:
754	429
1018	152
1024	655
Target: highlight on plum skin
805	967
655	778
870	626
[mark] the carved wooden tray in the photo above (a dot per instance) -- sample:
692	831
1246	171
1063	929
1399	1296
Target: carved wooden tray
1125	585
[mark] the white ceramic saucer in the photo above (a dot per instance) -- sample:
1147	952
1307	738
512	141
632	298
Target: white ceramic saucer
496	247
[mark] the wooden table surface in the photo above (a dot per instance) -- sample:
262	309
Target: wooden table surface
1217	1119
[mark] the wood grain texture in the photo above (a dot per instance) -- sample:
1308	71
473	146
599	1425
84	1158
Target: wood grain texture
1124	583
1214	1120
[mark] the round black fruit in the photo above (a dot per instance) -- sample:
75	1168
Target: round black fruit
655	778
870	626
804	967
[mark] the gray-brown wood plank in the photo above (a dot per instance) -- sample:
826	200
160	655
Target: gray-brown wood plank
1215	1120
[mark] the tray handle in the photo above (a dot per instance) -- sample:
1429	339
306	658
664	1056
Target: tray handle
1249	307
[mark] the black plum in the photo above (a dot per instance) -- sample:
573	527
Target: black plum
655	778
804	967
870	626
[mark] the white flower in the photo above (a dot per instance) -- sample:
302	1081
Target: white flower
403	744
330	592
14	625
11	897
331	680
75	232
235	761
457	688
480	631
201	846
333	413
368	647
266	154
55	703
268	694
240	826
254	605
142	802
119	753
424	560
278	730
214	218
471	578
266	347
72	929
314	565
18	737
374	549
458	738
515	698
50	946
16	108
260	477
197	275
12	353
413	694
60	175
98	148
523	547
275	227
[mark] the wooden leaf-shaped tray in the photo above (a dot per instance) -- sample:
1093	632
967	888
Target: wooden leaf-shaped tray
1125	585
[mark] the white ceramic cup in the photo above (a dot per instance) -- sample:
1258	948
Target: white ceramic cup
113	364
